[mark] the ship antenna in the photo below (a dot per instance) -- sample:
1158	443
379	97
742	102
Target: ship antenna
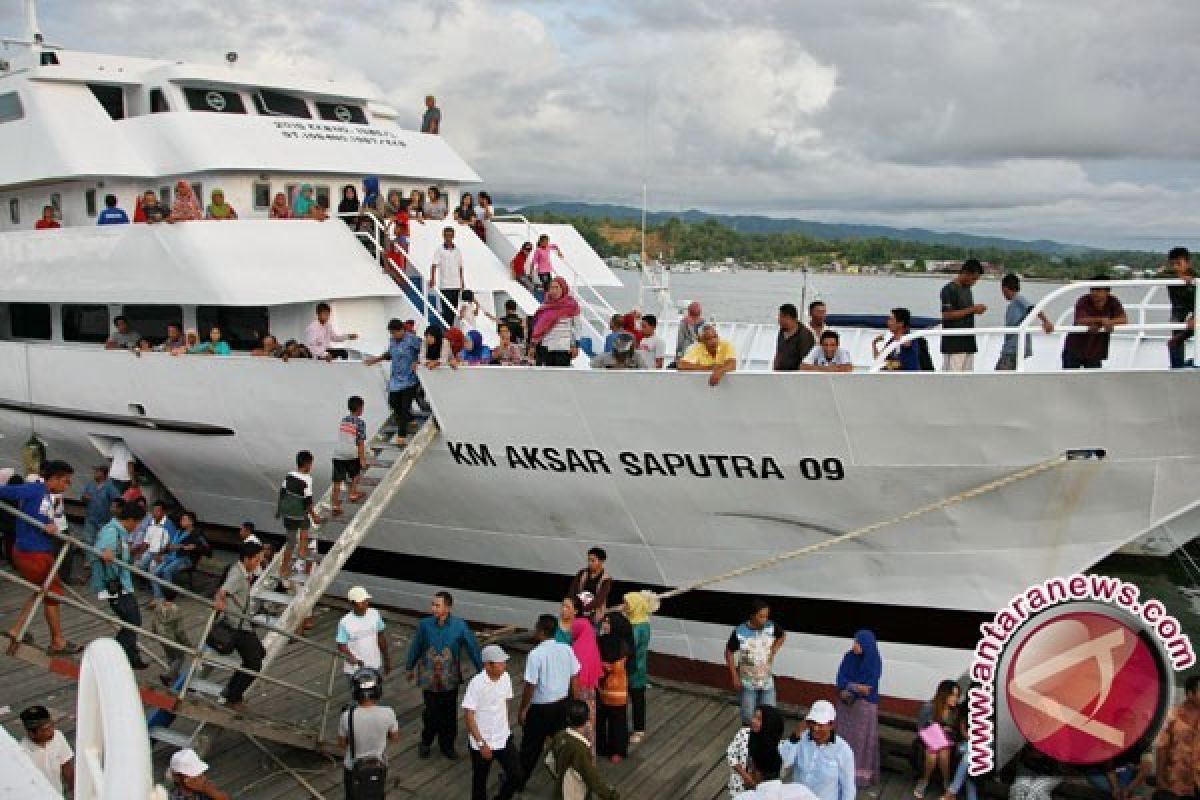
32	30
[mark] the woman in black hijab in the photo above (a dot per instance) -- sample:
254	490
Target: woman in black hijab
349	205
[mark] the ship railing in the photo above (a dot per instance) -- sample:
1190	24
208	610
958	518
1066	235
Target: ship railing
377	240
1031	324
199	654
597	311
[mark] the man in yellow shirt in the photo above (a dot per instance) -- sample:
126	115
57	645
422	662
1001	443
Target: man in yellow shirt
710	354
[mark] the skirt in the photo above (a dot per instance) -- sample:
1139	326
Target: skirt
858	724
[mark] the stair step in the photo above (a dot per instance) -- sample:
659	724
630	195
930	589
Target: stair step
202	686
177	739
280	598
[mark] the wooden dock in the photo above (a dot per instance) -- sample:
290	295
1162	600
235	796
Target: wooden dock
683	755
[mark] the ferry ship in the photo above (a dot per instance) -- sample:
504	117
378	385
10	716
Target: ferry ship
676	479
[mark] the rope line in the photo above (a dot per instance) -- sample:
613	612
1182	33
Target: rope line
946	502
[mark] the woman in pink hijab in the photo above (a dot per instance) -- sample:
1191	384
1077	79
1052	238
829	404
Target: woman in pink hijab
591	667
556	327
186	207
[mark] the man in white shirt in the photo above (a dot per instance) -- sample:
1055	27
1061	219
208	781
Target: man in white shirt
122	470
47	748
360	636
447	274
320	334
485	704
158	535
829	357
652	345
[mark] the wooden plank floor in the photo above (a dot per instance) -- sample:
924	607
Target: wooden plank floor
683	755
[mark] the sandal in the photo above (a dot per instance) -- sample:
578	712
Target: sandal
337	511
358	497
69	649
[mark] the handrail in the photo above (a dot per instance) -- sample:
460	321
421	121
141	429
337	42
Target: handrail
134	569
579	281
1041	305
380	232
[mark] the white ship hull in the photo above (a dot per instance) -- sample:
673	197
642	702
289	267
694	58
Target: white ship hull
505	536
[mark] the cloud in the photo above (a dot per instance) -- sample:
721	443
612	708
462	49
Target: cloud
1067	119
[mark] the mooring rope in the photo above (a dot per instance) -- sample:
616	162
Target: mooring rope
961	497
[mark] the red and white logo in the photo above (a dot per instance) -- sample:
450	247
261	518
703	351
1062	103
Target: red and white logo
1085	688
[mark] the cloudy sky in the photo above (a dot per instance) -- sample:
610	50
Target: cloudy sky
1068	119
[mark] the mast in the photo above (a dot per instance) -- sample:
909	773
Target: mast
33	31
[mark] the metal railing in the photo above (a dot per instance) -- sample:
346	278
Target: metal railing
198	654
1031	321
598	324
378	238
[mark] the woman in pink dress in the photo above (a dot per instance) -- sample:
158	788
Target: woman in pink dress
587	651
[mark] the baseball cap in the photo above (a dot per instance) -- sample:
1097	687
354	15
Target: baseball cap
185	762
357	595
494	654
821	713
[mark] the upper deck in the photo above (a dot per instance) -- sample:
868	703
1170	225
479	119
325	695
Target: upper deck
75	115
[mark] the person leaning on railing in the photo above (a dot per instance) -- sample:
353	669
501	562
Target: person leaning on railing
710	354
1100	312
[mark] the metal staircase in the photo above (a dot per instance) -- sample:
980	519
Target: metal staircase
196	695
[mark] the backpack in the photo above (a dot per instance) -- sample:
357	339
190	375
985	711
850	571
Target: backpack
368	775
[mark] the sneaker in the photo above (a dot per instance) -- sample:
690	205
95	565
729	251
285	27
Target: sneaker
636	737
616	759
138	663
423	751
919	790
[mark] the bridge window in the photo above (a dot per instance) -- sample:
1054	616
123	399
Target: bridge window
14	211
56	201
214	100
158	102
242	327
111	97
278	104
89	202
321	194
29	320
152	321
85	323
10	107
342	112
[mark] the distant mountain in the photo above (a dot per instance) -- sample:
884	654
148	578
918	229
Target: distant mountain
818	230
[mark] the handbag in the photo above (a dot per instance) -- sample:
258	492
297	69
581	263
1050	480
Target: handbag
222	637
368	775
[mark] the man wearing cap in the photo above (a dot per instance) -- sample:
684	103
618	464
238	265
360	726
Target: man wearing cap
435	659
818	758
47	748
485	704
360	636
189	775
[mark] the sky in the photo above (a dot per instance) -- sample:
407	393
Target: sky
1073	120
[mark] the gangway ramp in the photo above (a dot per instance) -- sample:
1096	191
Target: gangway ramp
196	695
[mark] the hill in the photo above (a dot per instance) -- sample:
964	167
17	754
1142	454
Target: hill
825	231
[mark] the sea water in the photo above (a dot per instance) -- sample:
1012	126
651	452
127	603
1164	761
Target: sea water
755	295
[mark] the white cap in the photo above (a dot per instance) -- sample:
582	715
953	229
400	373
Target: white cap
821	713
357	595
494	654
187	763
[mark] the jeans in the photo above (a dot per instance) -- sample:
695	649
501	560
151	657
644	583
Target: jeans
1177	350
400	402
962	781
251	651
167	572
753	698
481	767
1007	362
126	608
542	721
440	719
